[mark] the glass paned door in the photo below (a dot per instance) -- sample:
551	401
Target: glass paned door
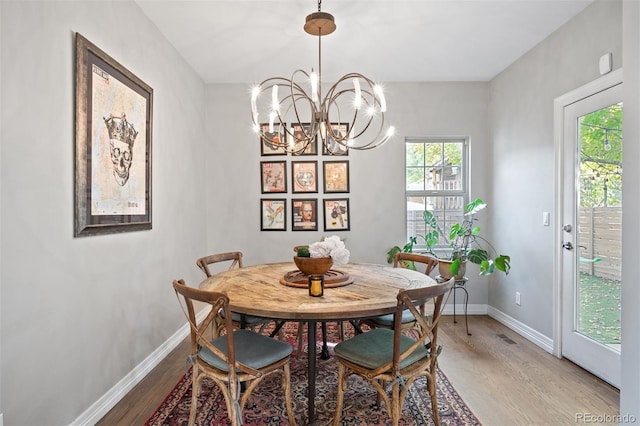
592	232
600	225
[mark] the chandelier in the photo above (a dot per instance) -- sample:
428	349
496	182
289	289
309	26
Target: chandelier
349	116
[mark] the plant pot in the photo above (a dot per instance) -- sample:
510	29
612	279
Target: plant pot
313	265
444	268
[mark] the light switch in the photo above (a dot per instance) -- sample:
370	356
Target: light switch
545	218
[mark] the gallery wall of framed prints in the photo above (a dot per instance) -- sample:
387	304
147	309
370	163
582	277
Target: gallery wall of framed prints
315	182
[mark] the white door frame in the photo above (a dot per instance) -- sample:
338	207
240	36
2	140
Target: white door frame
559	103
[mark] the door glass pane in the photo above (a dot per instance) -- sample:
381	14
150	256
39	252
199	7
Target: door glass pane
599	233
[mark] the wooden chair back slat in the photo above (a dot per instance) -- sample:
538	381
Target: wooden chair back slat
401	259
234	256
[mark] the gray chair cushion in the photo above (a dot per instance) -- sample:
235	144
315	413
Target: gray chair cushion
387	320
375	348
253	349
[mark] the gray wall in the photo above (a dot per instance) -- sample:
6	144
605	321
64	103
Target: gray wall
77	315
522	160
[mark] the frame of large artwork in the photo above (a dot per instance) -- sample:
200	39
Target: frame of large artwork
114	111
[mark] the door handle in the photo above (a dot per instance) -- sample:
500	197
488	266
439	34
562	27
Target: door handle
567	245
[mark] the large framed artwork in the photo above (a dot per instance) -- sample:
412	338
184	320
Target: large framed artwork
114	110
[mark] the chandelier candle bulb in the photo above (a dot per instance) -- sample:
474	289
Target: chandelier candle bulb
272	118
323	131
275	104
290	139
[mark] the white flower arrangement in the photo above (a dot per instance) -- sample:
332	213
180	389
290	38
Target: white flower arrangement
331	247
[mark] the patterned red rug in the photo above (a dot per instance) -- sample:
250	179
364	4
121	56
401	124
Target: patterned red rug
268	399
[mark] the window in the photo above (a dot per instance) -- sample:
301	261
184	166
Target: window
436	180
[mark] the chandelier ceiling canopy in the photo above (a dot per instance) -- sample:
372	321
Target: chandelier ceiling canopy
292	113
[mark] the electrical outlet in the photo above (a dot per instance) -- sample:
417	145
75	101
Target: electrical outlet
518	298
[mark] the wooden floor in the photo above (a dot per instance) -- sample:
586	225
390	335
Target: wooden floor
504	378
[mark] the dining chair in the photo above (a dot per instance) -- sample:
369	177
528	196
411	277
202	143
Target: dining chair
235	257
237	357
404	260
396	357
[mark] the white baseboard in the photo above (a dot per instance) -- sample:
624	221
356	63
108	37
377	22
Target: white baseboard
102	406
522	329
471	309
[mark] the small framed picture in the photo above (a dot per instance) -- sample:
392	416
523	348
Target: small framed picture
273	214
332	147
274	176
336	176
304	214
266	146
336	214
299	131
304	176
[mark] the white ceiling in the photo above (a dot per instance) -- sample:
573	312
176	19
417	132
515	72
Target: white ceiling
246	41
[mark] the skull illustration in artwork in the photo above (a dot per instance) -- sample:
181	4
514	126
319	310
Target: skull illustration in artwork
121	137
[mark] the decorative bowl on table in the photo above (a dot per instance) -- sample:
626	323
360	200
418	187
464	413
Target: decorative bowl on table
313	265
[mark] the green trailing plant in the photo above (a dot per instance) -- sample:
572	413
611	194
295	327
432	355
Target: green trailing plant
464	243
407	248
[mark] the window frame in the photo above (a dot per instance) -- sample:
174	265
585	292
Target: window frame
424	193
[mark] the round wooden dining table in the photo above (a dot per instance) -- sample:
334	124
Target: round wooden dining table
363	290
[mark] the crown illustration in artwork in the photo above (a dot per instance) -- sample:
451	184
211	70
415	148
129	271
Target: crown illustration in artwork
119	128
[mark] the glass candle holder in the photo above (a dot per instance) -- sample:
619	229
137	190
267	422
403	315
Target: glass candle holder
316	285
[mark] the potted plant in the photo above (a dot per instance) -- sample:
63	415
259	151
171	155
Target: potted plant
465	244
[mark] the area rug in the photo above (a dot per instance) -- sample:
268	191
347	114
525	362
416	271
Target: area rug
268	399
